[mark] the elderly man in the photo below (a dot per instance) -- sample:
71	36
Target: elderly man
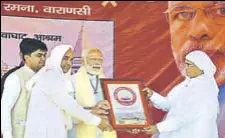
15	98
88	91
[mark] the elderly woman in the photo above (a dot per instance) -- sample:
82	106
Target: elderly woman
192	105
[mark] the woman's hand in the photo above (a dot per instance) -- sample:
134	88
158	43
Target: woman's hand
147	92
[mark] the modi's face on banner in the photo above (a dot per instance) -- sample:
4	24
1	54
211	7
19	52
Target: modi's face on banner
198	25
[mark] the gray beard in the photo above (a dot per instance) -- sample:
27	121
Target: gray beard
91	71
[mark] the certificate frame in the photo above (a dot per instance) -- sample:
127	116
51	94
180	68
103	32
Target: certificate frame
106	83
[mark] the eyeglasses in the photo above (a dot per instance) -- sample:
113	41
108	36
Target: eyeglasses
216	13
188	65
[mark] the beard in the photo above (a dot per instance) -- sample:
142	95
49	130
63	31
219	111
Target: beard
93	69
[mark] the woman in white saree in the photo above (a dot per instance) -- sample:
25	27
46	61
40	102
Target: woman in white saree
50	100
192	105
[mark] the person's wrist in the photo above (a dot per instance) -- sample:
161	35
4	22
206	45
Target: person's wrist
149	95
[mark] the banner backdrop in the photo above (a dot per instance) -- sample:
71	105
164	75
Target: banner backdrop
82	34
141	40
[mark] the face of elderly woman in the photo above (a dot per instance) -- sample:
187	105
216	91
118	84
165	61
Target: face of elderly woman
66	62
192	70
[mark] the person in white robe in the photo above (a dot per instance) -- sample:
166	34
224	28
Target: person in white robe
50	100
192	105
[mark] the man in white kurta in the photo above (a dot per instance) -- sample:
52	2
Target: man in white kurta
50	99
15	98
192	105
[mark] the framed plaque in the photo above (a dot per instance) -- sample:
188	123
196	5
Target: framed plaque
128	104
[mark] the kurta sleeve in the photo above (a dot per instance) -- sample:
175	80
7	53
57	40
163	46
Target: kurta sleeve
77	121
10	95
160	102
54	88
200	103
177	121
170	124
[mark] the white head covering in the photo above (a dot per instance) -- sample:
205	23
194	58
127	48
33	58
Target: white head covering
52	63
193	100
197	97
206	82
203	62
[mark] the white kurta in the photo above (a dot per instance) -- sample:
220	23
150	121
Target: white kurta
192	105
9	99
192	114
50	99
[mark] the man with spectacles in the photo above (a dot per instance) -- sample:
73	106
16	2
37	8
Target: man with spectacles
199	25
15	98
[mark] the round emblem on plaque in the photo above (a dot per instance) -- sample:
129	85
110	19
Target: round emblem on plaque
125	96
